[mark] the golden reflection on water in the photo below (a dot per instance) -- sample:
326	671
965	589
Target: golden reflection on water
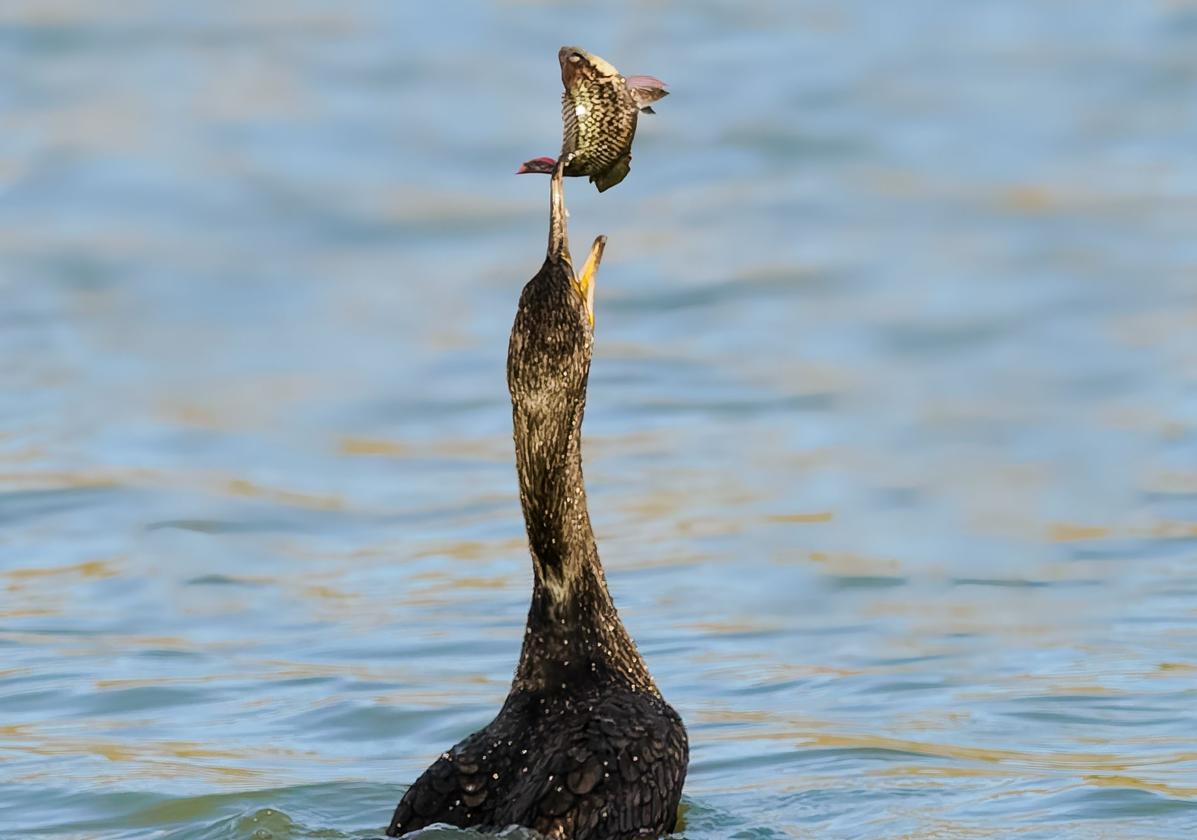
88	569
144	478
465	550
807	733
466	581
481	449
1069	532
1185	792
856	565
147	758
801	518
721	628
57	480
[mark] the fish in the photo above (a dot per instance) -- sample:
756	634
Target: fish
598	112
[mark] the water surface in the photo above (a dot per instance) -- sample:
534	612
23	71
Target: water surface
891	443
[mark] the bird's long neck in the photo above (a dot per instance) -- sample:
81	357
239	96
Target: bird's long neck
548	461
548	434
574	634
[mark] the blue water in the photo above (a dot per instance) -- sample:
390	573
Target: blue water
891	443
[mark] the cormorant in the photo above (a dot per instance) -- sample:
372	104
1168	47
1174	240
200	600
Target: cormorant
585	747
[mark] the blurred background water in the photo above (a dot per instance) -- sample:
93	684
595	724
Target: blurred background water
891	442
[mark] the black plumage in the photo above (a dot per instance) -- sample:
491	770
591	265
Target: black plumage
585	747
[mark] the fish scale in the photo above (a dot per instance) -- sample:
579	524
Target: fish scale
599	123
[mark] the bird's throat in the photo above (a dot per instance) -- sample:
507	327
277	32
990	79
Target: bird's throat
574	635
549	464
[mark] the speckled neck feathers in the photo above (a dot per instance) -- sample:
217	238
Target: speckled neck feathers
573	631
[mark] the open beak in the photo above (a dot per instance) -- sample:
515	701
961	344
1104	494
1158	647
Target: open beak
585	280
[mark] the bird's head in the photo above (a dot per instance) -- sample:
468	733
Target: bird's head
549	355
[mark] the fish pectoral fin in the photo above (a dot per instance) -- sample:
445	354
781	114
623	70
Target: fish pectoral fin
612	176
645	89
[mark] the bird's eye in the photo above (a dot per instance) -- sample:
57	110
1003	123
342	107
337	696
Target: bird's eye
575	58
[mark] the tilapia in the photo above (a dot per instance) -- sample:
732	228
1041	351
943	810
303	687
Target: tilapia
598	111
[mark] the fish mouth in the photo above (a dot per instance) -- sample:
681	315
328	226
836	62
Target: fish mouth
574	65
572	55
577	62
540	165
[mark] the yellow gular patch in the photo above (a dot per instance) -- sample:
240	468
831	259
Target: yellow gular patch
585	280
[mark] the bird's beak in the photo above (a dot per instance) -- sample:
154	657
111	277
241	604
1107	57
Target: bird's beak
589	270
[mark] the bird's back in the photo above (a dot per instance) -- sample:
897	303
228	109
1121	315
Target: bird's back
606	764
